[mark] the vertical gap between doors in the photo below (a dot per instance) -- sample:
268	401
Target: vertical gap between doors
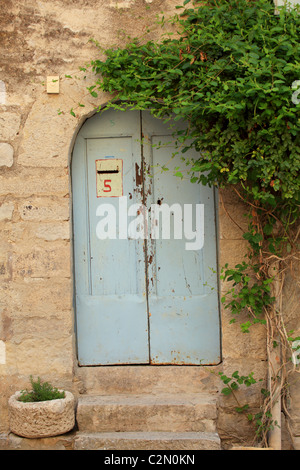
88	253
145	240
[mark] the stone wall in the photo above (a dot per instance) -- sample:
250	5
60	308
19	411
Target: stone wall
37	133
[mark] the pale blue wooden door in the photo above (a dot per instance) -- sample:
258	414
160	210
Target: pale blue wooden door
183	288
141	301
111	304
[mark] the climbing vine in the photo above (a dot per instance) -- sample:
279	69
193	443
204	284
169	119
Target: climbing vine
228	68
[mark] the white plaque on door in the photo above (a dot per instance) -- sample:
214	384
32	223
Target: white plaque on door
109	177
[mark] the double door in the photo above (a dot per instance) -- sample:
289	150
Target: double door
145	258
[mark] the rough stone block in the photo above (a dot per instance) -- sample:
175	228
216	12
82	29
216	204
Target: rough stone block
246	395
6	211
44	208
147	441
57	231
49	261
233	252
38	150
9	125
6	154
238	345
233	222
170	413
55	355
27	298
31	327
296	443
38	182
250	448
149	380
12	442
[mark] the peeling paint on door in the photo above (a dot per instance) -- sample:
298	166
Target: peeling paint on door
141	301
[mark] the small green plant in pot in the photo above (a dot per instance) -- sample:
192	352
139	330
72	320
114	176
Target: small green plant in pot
40	392
44	411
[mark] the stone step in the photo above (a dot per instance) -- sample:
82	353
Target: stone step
106	380
169	413
147	441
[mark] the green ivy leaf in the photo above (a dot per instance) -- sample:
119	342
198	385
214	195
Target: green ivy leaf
226	391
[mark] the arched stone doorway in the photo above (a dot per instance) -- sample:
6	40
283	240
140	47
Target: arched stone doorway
145	248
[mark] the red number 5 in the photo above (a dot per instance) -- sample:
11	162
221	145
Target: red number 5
107	186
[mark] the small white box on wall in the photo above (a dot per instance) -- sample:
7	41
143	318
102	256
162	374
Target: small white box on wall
53	84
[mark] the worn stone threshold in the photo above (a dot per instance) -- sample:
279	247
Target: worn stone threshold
76	440
152	440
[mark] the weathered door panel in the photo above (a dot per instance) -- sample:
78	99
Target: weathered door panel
183	331
183	290
111	304
114	262
112	329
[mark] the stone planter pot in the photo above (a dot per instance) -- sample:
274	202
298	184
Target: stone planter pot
41	419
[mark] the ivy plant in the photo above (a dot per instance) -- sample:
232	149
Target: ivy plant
228	69
41	391
229	74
